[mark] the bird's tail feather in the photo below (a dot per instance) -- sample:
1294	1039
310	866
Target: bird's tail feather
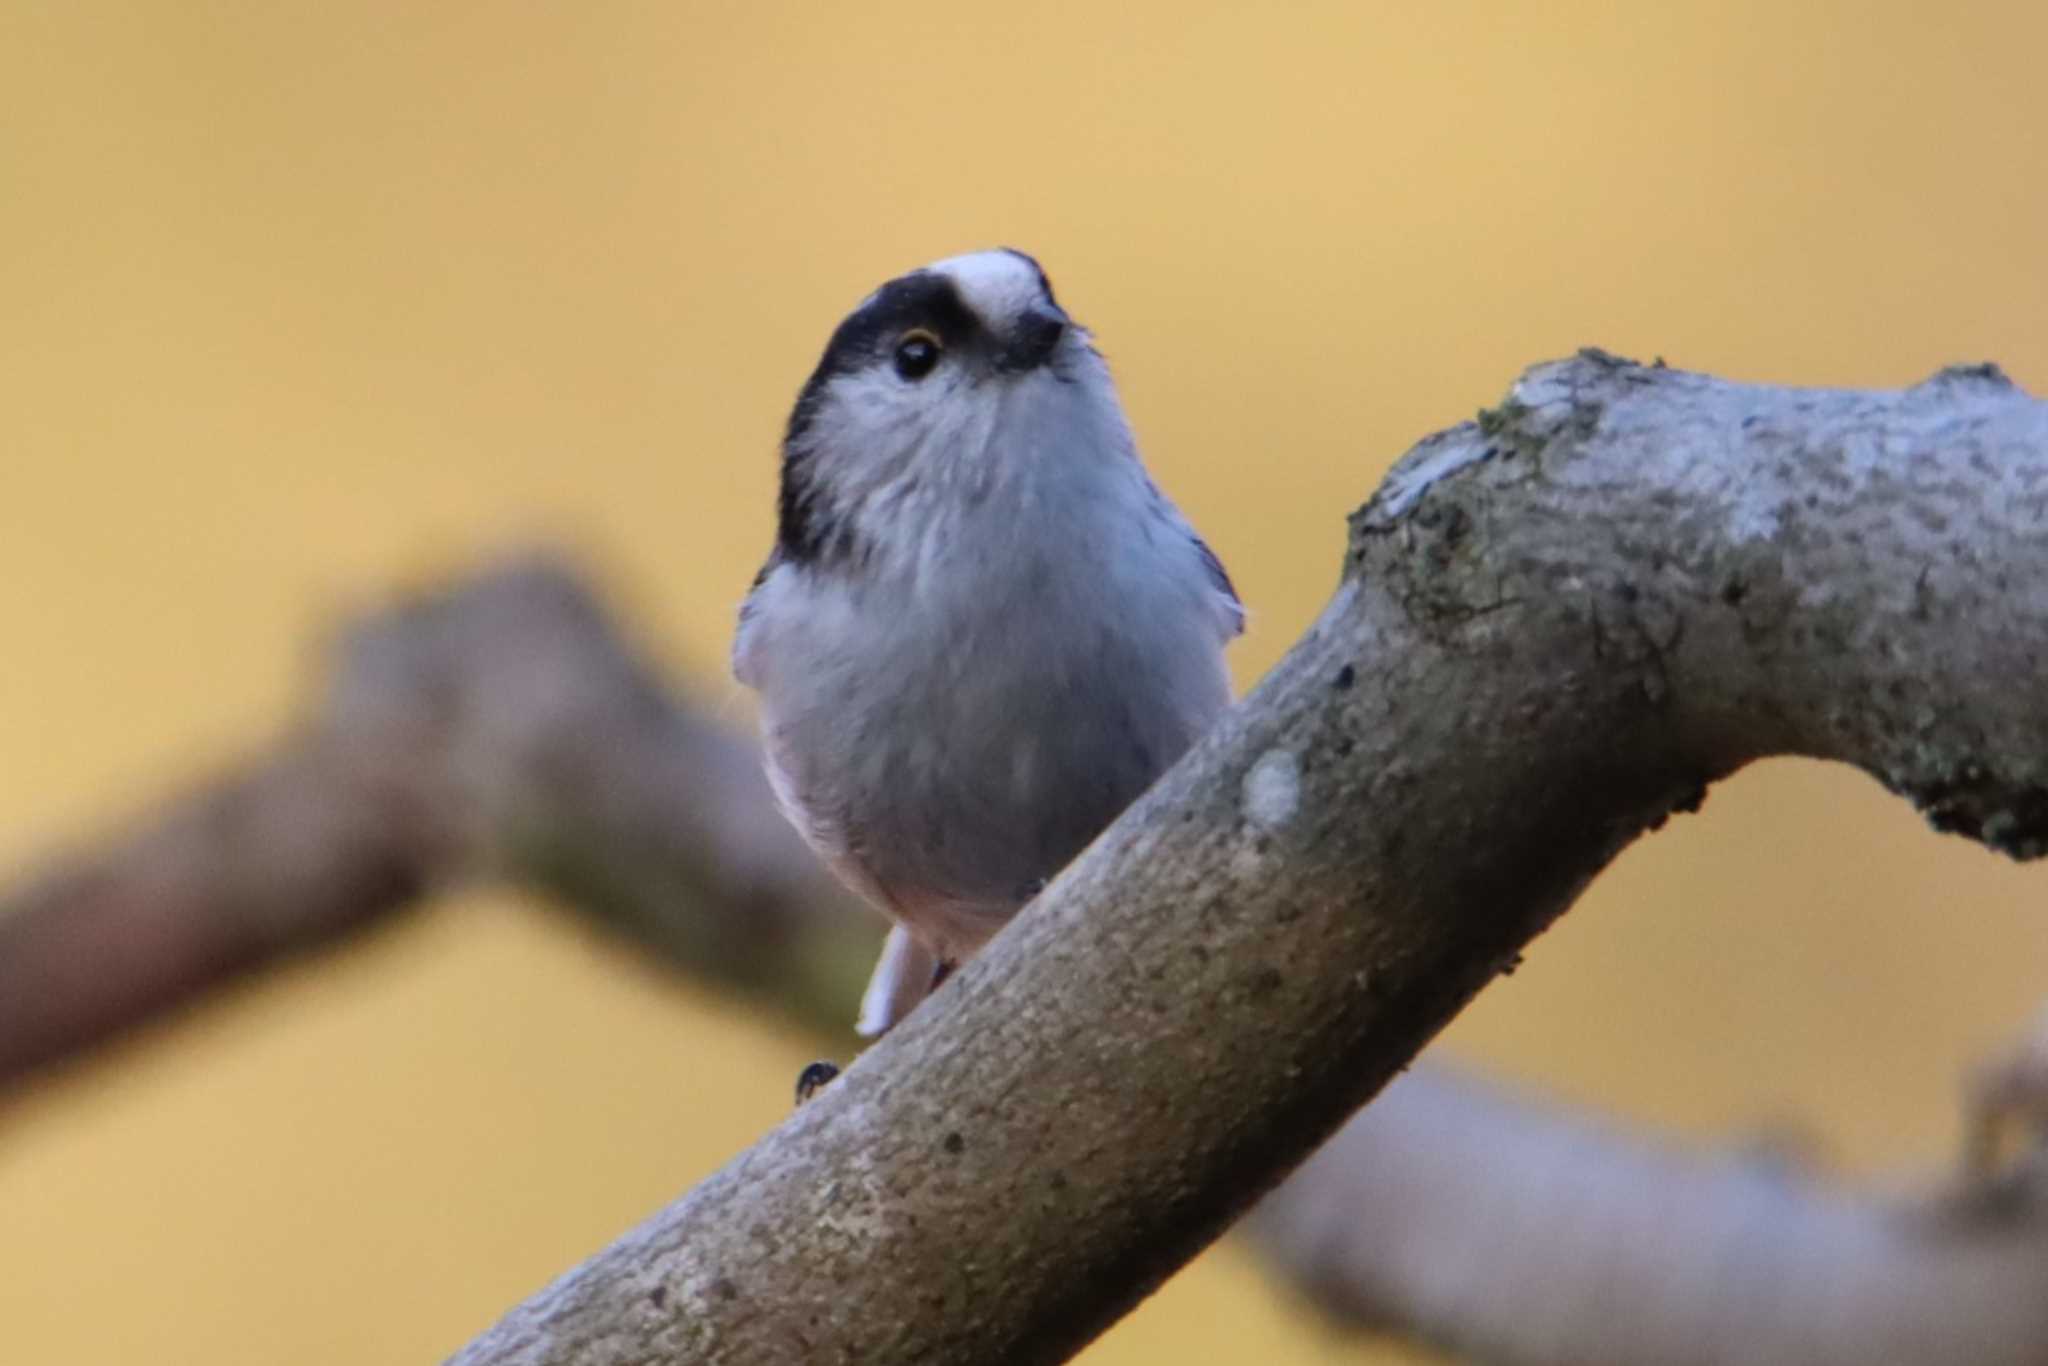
903	977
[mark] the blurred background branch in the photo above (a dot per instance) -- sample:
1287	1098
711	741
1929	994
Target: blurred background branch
500	730
505	729
1510	1230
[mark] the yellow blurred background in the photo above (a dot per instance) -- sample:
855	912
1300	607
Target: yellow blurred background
303	303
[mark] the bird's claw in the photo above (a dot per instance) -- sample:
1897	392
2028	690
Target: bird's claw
814	1079
2008	1104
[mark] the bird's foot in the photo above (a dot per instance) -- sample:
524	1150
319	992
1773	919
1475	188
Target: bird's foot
814	1079
2008	1106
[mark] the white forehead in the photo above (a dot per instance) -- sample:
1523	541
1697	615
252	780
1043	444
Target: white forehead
996	285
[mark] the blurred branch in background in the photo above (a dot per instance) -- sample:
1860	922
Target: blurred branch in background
1507	1230
504	729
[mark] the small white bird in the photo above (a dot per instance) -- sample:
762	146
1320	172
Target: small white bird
983	630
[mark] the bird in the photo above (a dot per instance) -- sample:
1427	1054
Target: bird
983	630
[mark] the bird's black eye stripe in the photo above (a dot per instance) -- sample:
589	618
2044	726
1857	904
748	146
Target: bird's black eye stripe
917	354
870	335
918	302
873	333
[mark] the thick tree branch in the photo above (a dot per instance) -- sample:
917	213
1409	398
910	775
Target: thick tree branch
1555	627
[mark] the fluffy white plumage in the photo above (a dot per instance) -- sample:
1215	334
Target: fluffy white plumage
983	630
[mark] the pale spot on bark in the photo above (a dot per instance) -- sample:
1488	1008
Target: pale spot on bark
1272	790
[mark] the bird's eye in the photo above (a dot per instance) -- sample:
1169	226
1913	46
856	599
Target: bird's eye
917	353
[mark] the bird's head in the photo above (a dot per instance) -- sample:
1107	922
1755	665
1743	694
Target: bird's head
936	381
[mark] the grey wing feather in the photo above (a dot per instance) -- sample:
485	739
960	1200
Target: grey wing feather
1220	577
903	977
748	608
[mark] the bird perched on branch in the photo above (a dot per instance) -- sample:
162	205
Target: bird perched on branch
983	630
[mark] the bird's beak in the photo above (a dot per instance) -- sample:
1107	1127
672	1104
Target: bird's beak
1037	331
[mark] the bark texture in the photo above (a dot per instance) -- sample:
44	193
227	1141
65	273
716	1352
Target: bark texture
1555	626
